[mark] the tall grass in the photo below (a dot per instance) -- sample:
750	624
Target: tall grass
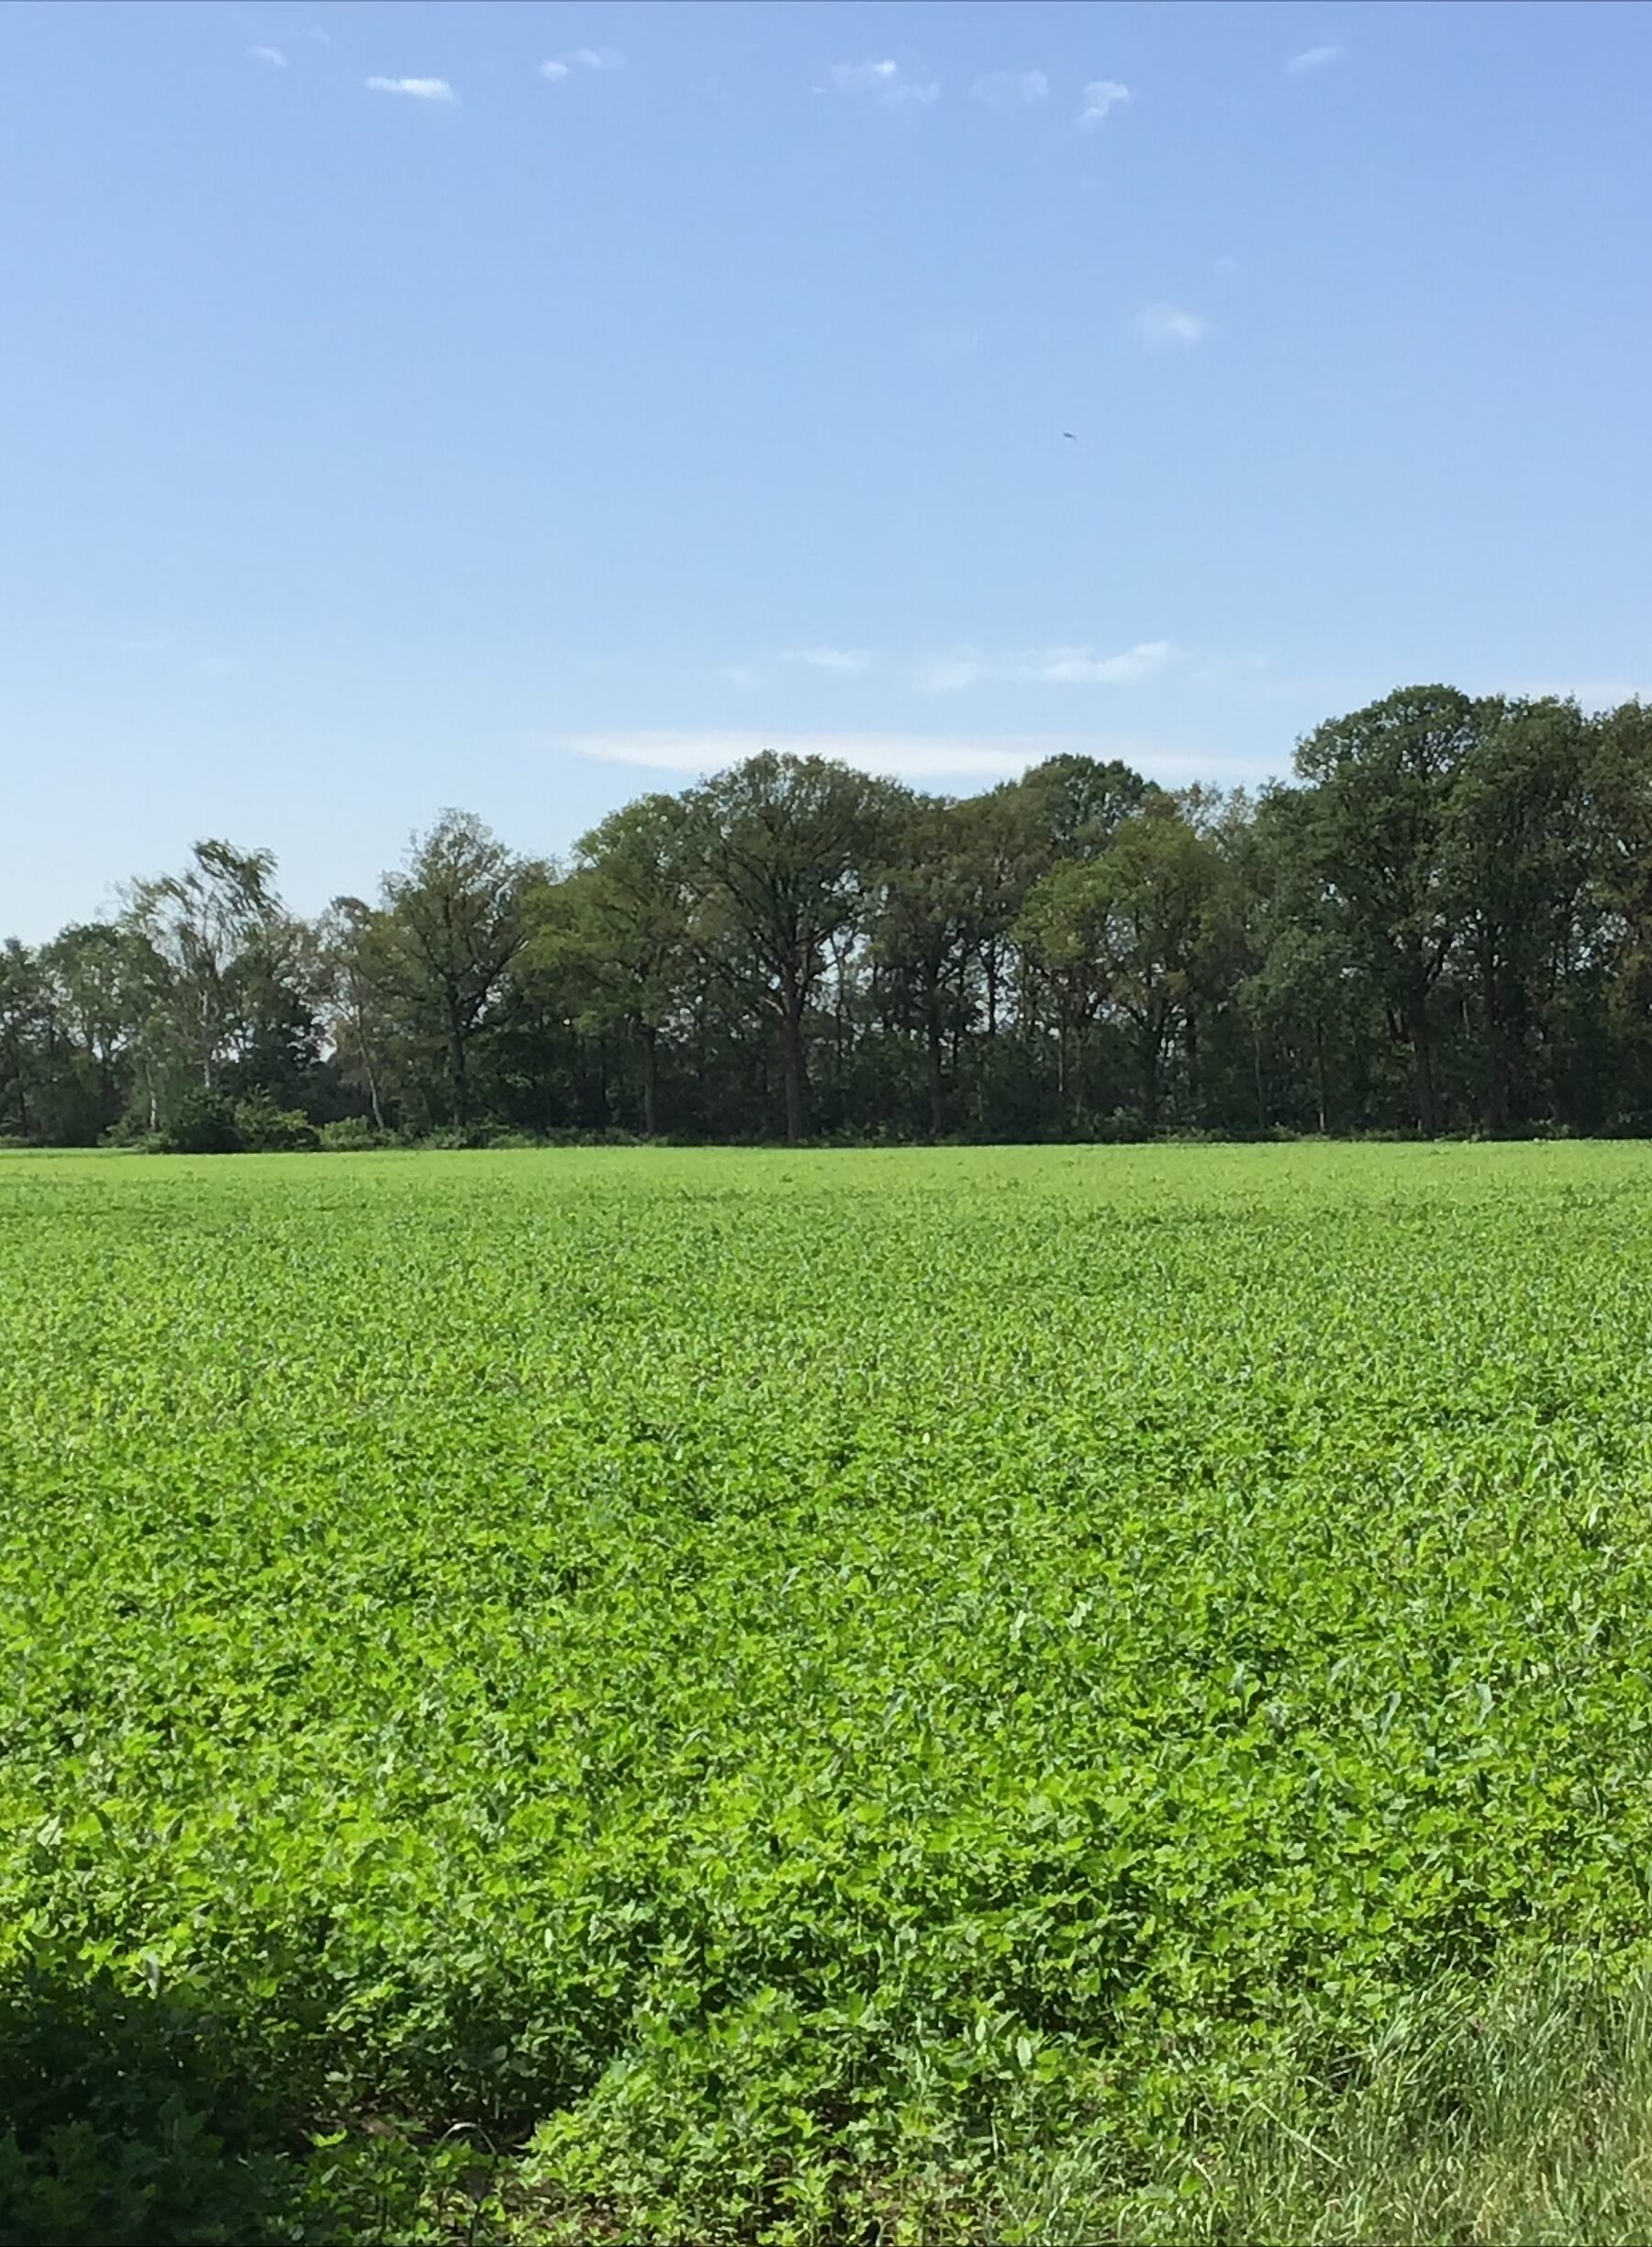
1520	2117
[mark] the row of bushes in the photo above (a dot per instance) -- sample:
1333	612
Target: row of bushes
206	1123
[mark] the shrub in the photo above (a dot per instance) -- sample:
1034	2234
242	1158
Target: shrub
264	1129
201	1122
352	1134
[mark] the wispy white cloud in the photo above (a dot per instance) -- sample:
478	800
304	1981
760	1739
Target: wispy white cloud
744	676
881	82
271	57
1052	666
949	343
139	647
1311	58
1011	89
909	756
557	67
1077	667
1589	694
417	89
1101	96
945	674
960	758
322	38
847	663
1166	326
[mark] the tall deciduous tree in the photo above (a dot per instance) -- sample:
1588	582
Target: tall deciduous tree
1516	839
355	965
1383	778
783	847
209	930
456	917
1133	927
626	929
925	925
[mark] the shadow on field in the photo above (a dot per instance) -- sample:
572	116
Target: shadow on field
135	2121
128	2119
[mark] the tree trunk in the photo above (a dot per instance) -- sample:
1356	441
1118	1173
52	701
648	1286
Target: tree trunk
651	1082
795	1064
458	1067
1256	1062
1150	1080
933	1056
370	1073
1499	1072
1192	1022
1319	1065
1416	1025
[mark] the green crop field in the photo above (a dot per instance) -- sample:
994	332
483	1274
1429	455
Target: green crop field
608	1695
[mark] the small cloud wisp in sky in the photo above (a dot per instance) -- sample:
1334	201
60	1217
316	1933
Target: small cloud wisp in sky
1164	327
272	57
561	66
902	756
845	662
1311	58
1073	666
1052	667
1011	89
1100	97
417	89
882	82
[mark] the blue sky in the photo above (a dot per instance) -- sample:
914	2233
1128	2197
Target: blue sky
394	421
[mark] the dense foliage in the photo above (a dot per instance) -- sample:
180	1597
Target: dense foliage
1443	923
696	1694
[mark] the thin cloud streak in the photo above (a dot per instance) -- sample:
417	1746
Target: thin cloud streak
980	759
416	89
1164	326
1054	666
910	757
557	67
846	663
1590	695
1011	89
949	343
1311	58
883	82
1101	96
271	57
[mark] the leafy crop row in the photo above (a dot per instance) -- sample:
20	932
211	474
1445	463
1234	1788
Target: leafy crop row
649	1695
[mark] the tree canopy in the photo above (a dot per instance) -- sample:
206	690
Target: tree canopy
1443	921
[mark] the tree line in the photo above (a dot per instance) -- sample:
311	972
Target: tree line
1443	923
